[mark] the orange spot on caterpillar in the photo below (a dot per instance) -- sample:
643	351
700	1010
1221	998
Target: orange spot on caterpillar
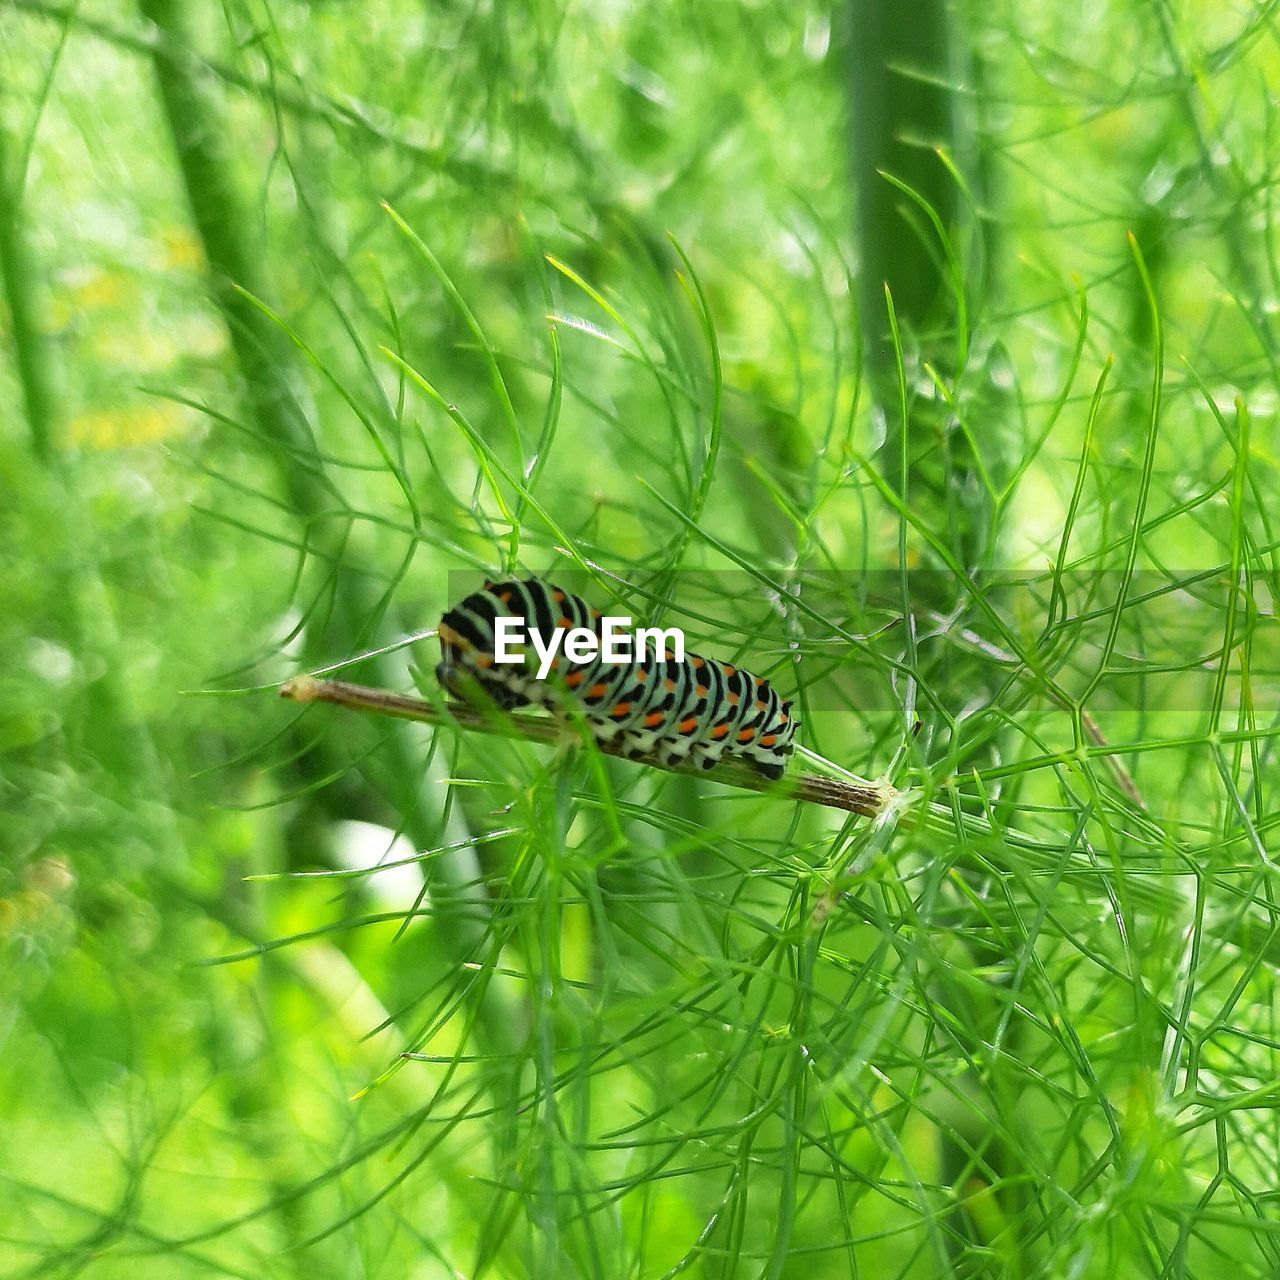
719	732
687	726
746	735
653	719
769	739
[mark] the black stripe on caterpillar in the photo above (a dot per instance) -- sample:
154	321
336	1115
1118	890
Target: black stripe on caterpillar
698	710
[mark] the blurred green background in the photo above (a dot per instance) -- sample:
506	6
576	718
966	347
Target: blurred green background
316	312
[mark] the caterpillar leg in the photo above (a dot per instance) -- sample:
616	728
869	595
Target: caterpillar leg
466	686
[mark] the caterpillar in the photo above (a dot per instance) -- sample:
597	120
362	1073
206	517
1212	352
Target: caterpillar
697	711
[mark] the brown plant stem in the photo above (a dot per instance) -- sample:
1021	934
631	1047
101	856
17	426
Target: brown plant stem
869	799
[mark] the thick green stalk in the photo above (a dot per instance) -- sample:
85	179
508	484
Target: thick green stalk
907	133
266	360
913	286
31	356
900	109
